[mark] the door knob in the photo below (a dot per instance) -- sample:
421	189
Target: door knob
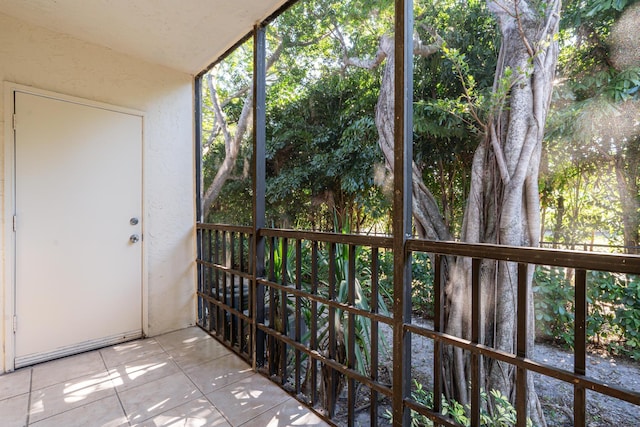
133	221
134	238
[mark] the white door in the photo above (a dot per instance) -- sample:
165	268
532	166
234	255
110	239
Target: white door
78	203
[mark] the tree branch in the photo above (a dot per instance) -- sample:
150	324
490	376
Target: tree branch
233	142
219	117
521	30
425	50
500	158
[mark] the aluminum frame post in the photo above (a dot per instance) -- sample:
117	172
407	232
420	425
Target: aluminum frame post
259	186
402	185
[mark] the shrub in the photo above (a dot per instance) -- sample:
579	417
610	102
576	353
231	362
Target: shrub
613	318
503	414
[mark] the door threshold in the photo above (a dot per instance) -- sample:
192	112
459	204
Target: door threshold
32	359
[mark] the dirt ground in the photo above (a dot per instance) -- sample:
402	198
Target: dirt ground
557	397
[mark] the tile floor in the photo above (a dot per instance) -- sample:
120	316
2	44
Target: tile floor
184	378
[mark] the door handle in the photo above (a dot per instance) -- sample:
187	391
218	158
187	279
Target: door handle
134	238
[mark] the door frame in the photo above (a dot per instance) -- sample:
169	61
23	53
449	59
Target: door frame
9	198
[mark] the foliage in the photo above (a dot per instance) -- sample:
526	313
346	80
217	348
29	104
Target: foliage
504	414
554	296
613	318
590	158
422	296
362	288
285	263
228	82
450	89
321	153
615	311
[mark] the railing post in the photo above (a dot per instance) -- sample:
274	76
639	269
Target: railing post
522	337
476	333
259	176
351	333
438	322
197	108
373	409
403	157
580	342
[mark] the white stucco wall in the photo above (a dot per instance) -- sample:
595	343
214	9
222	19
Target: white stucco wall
37	57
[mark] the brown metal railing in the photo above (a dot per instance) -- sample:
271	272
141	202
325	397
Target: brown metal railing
291	303
581	262
311	282
224	285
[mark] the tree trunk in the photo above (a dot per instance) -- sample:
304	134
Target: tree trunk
627	169
232	149
557	229
232	142
503	205
428	220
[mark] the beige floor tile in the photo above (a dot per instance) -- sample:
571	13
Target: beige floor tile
196	354
196	413
129	351
155	387
67	368
105	412
156	397
61	397
246	399
182	338
13	411
142	371
218	373
290	413
15	383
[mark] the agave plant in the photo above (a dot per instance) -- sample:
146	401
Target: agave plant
340	323
327	320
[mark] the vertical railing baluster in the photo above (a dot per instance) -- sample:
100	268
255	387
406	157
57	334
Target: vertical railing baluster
475	338
284	318
314	322
202	271
272	308
241	303
232	278
225	296
204	276
331	398
211	311
216	283
199	277
252	293
351	334
522	335
580	342
207	277
373	410
298	315
437	326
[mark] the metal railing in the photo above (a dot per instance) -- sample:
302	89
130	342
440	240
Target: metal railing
225	285
314	321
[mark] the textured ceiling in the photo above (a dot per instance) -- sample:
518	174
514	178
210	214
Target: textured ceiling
186	35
